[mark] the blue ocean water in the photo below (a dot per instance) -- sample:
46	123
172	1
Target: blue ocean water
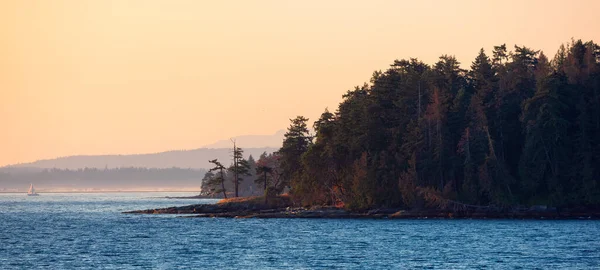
87	231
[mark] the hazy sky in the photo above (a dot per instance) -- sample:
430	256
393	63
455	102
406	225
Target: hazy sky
107	77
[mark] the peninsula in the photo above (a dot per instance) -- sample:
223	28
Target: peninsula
283	207
516	136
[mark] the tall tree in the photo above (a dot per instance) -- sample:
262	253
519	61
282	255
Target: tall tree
296	142
545	152
249	187
239	168
262	173
219	179
517	83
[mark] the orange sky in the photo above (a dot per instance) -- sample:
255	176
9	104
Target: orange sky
108	77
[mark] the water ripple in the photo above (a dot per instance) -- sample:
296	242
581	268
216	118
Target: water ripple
87	231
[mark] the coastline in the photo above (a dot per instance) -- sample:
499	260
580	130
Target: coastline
193	197
254	208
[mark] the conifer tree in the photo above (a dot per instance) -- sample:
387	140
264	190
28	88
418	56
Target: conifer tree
218	180
295	144
239	168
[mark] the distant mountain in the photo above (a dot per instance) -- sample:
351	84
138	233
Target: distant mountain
195	159
273	141
171	170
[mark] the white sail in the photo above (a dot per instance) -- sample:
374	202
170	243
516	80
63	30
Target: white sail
31	191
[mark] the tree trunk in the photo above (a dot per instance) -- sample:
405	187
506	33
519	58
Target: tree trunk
235	169
223	184
266	195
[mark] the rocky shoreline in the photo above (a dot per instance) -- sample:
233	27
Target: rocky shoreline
256	210
196	197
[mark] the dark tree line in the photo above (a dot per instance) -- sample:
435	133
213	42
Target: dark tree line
214	181
516	129
245	177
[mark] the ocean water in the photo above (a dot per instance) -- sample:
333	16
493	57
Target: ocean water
88	231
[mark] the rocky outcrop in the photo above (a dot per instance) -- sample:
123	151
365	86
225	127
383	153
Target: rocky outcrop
255	210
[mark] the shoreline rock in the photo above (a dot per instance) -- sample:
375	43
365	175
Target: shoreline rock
254	210
192	197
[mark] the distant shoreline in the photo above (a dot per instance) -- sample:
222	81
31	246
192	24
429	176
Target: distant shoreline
107	191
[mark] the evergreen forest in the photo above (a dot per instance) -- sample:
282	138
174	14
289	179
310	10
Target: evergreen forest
516	129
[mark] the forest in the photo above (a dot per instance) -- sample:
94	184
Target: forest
516	129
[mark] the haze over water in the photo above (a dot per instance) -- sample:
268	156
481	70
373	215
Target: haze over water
87	231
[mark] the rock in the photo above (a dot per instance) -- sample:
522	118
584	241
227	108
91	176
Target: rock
244	210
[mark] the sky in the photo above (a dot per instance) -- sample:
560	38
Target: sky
81	77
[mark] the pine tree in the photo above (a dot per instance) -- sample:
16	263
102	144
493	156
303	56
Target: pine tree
296	143
219	180
239	168
262	173
545	151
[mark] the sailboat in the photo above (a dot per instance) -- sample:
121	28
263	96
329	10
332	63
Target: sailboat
31	191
